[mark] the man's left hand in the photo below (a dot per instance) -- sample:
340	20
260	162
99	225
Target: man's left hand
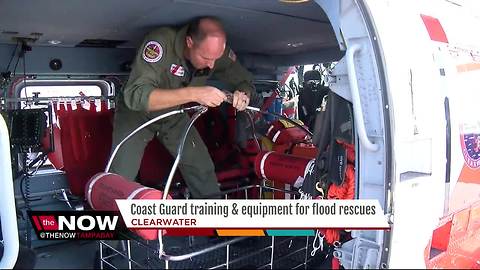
240	100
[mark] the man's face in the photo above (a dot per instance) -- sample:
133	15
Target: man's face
205	53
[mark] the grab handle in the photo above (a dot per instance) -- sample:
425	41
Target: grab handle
357	106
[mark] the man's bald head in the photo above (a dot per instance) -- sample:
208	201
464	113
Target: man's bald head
203	27
206	41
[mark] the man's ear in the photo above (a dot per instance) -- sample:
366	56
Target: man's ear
189	41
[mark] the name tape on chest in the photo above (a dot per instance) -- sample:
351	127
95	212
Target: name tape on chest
177	70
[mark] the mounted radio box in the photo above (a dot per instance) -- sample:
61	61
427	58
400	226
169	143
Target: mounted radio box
27	127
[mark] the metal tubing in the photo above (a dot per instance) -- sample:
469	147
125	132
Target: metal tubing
200	252
165	115
201	111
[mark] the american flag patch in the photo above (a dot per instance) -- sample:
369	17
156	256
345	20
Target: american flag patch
232	55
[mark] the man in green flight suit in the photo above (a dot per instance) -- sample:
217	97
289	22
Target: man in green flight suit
171	68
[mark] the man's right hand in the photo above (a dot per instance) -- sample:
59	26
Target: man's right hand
209	96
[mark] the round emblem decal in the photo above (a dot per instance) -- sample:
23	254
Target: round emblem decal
470	141
152	52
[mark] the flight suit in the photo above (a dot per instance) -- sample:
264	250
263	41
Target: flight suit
160	63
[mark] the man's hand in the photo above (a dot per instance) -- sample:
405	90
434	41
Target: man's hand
240	100
209	96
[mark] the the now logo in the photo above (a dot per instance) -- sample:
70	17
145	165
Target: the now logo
51	225
87	223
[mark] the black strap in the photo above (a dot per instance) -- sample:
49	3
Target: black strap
334	123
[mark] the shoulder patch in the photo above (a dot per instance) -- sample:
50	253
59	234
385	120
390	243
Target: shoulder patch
152	52
470	141
232	55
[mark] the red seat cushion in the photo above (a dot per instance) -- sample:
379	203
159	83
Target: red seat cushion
156	165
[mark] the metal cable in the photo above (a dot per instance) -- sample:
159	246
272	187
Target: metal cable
230	100
11	57
252	124
282	117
